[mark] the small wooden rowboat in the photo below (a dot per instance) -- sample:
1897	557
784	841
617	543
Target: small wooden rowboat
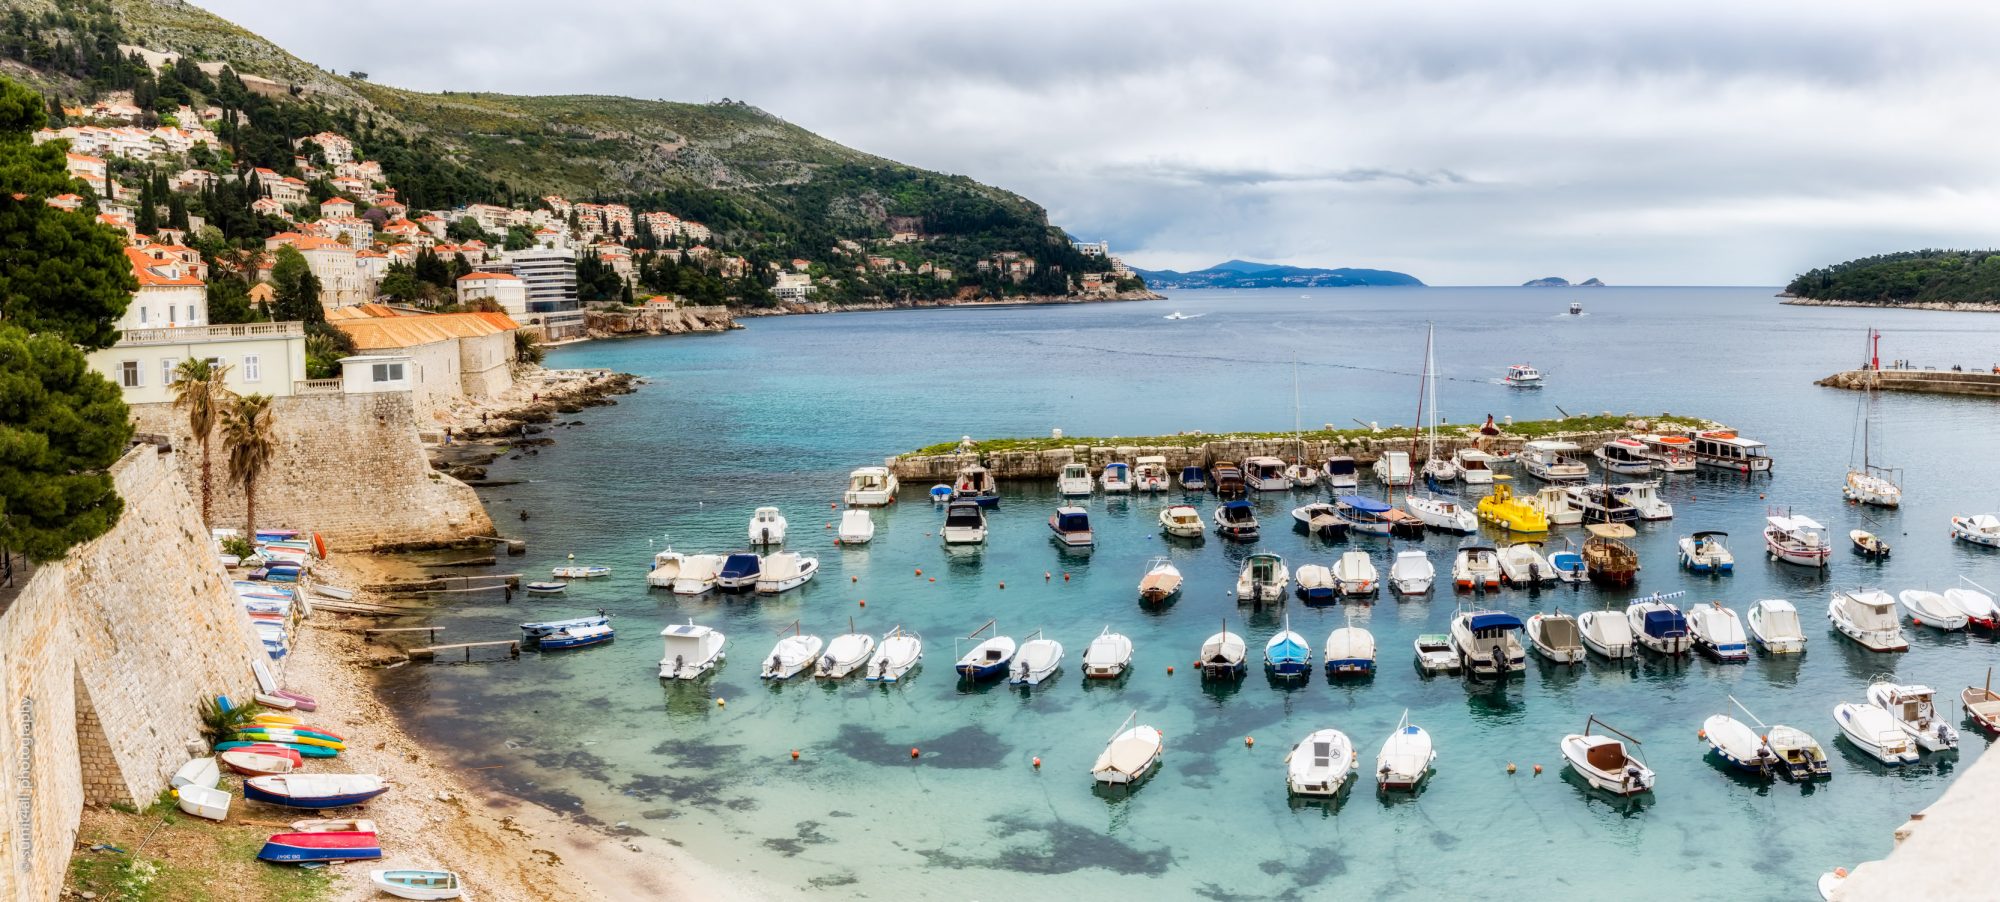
275	701
334	825
321	846
1982	704
417	884
314	790
303	751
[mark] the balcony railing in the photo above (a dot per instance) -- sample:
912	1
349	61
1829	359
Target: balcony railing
317	386
188	334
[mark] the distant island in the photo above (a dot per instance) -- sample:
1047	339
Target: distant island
1925	280
1560	282
1244	274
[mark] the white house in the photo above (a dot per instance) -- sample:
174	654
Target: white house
167	323
505	289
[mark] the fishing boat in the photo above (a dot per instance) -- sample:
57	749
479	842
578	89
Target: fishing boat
976	484
1071	526
1739	746
1393	469
1435	654
1182	521
870	487
1557	637
1075	481
1223	655
1038	659
1930	609
1608	561
1624	455
1875	733
1978	529
1475	467
1568	564
1521	375
1149	473
1607	763
1608	633
1477	567
1718	633
1669	453
417	884
690	651
1108	656
1707	552
577	637
1236	520
767	527
845	654
1600	504
1914	708
792	655
1774	624
1287	654
1867	545
542	628
1193	479
1161	582
1441	512
785	571
551	588
1406	756
579	571
1644	500
1264	579
1410	574
895	656
1316	584
1319	764
1354	573
1554	504
1350	651
988	659
266	763
346	845
1977	606
1523	566
1503	509
1116	478
1799	754
1551	460
1132	754
1340	474
739	573
1867	616
1982	705
857	527
964	524
1659	625
697	575
1266	474
1227	480
1487	643
314	790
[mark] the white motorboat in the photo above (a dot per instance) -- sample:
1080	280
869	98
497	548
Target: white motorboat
1867	616
1177	315
1669	453
785	571
976	483
1071	526
895	656
1876	733
1264	579
1149	473
1133	753
1557	637
1075	482
1932	610
1600	504
1475	467
1350	651
857	527
1914	708
1734	742
964	523
1116	479
1182	521
1161	582
1553	502
739	572
1644	500
1774	624
1316	584
1624	455
1406	756
1725	450
1799	754
666	568
1476	568
988	659
1322	519
1608	633
1411	574
1223	655
1523	566
697	574
1569	565
1488	642
1340	474
579	571
1659	625
1319	764
1435	654
1707	552
791	655
1354	573
846	654
1236	520
1108	656
870	487
1287	654
1266	474
1038	659
1393	468
1553	461
767	527
691	651
1521	375
1796	540
1606	762
1977	606
1718	632
1978	529
1442	512
1303	475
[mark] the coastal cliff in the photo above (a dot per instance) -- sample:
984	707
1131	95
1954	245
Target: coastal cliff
675	321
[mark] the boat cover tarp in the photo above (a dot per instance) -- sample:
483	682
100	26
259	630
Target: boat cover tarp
739	565
1130	752
1072	521
1665	624
1560	632
1369	505
1486	620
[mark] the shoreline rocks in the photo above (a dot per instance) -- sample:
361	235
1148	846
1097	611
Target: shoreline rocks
1947	306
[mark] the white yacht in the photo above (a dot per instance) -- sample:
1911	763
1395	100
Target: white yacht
1108	657
1914	708
1624	455
1774	624
1488	643
870	487
1075	481
895	656
691	651
1319	764
1796	540
1475	467
1867	616
767	527
1978	529
1266	474
964	523
1523	566
1876	733
1264	579
1393	468
1609	633
1441	468
1553	461
1149	473
1644	499
1183	521
1412	573
1442	512
857	527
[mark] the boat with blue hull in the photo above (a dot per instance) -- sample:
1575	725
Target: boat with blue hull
989	659
542	628
1287	654
314	790
577	637
298	848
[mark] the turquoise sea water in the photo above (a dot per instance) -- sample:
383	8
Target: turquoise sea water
779	412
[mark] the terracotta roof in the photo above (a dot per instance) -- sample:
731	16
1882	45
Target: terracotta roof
154	273
362	311
336	200
386	333
503	276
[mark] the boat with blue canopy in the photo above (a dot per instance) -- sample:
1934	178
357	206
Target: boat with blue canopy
739	572
1488	642
1287	654
1236	520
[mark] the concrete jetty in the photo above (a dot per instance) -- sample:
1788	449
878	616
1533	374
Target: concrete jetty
1940	382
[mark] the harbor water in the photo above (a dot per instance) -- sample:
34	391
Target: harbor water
778	414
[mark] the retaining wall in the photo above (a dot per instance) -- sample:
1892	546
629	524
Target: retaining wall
1942	382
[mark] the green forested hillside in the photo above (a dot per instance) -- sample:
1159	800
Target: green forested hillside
1907	277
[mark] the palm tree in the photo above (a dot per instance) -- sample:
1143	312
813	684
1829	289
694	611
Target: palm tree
198	388
247	432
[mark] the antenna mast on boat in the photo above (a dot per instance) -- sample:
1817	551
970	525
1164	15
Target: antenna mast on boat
1746	711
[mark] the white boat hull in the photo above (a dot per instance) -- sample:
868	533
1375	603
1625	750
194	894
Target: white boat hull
846	654
1875	733
894	658
1631	781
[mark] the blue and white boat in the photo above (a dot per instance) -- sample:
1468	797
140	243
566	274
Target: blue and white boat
314	790
940	493
1569	565
977	484
1718	633
1194	479
542	628
1288	654
739	572
1236	520
1071	526
1659	625
989	659
577	637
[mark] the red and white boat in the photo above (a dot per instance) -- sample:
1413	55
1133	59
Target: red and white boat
1797	540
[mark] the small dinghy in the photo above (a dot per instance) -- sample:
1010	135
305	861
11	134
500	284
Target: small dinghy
895	656
1411	574
844	654
792	655
1264	579
1133	753
940	493
690	651
1799	755
785	571
334	825
1287	654
577	637
1108	656
1223	655
1350	651
1435	655
1354	573
416	884
261	763
1522	566
1161	582
1556	636
1320	519
1982	705
314	790
697	574
1875	733
1867	544
1914	708
1932	610
739	572
1606	762
303	751
548	588
767	527
857	527
1718	633
1774	624
988	659
1977	606
1659	625
1867	616
578	571
1608	633
289	736
1569	565
1476	568
294	848
1319	764
1038	659
1236	520
1736	744
1316	585
538	629
1406	757
1707	552
1182	521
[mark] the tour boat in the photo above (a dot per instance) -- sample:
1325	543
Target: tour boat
1734	742
1551	461
1875	733
1303	475
767	527
785	571
1350	651
1487	642
1982	704
895	656
1977	607
314	790
1774	624
1227	480
1319	764
1354	573
857	527
1236	520
1266	474
1321	519
344	845
697	574
1799	754
1435	654
1914	708
1600	504
1867	545
792	655
1132	754
577	637
1931	609
1149	473
1644	499
1624	455
1405	758
1441	512
1193	479
1978	529
1411	574
1669	453
739	572
1718	633
1116	478
1569	564
1393	468
1075	482
1523	566
1477	567
1316	584
1867	616
1340	474
1072	527
1474	466
975	483
1223	654
845	654
261	763
578	571
964	524
1607	561
1037	660
1287	654
691	651
1368	516
1503	509
1108	656
1707	552
1553	503
1521	375
1607	763
1725	450
1182	521
417	884
553	588
1556	636
1659	625
870	487
1609	633
542	628
1161	582
988	659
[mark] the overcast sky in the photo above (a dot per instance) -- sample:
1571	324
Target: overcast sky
1692	142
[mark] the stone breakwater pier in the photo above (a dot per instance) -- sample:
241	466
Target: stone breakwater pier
1940	382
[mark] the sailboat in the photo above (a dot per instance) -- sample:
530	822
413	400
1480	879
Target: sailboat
1435	508
1301	473
1871	485
1441	468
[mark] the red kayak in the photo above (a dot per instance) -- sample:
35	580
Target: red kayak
347	846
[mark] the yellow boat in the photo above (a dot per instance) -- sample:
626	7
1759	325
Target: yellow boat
1504	510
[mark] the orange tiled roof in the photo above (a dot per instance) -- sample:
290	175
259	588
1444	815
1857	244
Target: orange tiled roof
153	273
390	333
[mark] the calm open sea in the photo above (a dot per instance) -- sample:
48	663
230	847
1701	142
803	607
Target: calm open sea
779	412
